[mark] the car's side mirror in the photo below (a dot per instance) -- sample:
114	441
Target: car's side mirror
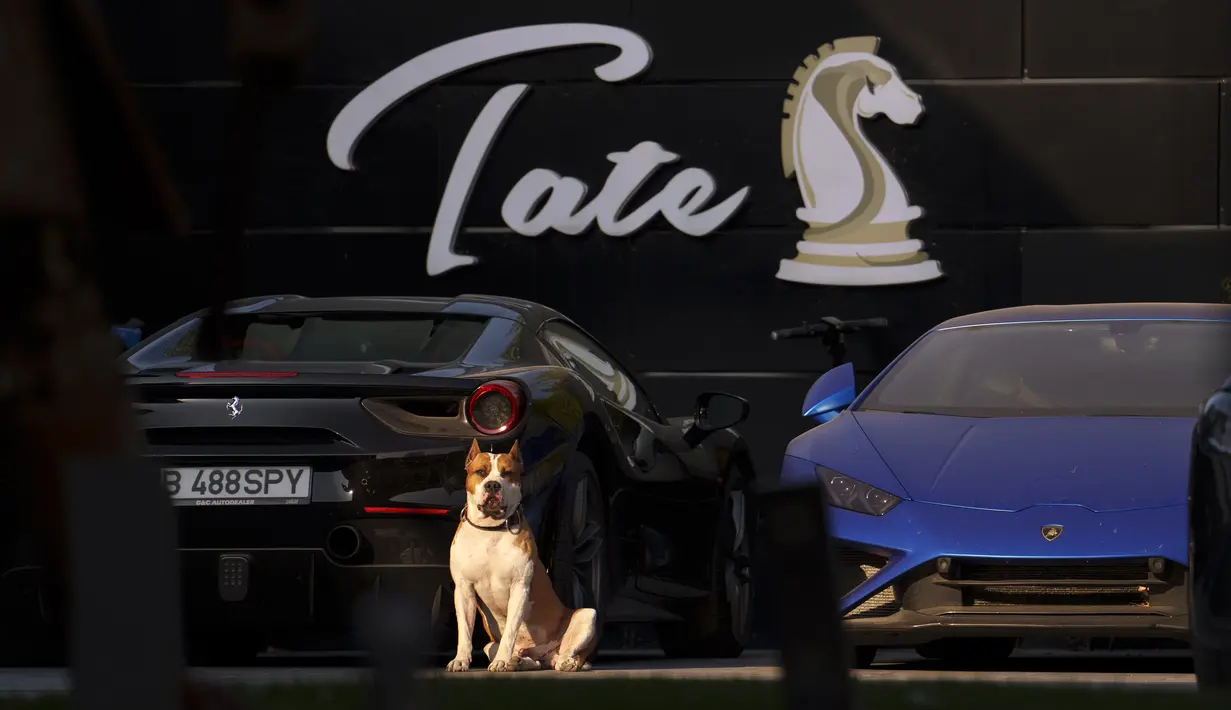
831	393
127	335
719	410
715	411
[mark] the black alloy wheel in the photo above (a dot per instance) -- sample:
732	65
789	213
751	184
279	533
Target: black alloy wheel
719	626
578	563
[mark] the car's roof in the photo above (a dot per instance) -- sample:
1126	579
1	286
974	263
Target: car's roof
1093	311
465	304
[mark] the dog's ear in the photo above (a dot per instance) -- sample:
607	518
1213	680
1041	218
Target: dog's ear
515	454
474	451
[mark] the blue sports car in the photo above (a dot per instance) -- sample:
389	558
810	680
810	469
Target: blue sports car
1016	473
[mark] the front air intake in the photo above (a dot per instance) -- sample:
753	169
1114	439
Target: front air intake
855	567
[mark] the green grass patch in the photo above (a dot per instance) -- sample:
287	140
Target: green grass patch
601	694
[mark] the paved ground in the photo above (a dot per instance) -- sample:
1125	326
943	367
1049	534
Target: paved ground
1158	669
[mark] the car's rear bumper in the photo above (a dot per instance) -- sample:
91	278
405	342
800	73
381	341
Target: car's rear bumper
403	507
277	570
289	596
286	594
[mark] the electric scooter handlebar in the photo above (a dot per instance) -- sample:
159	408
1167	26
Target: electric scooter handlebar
826	325
807	330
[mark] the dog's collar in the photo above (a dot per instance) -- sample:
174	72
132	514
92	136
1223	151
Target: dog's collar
505	524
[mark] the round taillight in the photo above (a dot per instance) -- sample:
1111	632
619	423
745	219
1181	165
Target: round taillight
494	408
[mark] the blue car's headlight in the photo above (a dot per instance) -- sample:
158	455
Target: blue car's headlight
847	493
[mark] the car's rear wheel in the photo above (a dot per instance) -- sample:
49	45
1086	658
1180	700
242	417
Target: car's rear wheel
578	561
974	651
719	626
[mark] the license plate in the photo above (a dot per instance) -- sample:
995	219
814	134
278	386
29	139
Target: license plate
239	485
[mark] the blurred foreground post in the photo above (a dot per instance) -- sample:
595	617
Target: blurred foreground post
396	635
799	557
78	164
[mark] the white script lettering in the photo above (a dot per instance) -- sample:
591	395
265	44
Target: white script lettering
680	201
558	198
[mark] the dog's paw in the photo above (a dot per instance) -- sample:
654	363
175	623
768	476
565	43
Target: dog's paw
503	666
568	665
458	665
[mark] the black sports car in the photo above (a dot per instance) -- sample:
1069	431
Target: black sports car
1209	554
322	458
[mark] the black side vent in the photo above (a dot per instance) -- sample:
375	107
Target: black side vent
433	407
242	436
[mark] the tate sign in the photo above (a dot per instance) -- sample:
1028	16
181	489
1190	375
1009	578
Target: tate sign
687	201
858	213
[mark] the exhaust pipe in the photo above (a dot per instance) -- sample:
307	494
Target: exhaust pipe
343	542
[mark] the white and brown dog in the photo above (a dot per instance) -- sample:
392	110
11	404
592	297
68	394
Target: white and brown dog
497	572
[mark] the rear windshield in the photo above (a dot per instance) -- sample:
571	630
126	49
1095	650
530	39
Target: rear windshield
324	337
1095	368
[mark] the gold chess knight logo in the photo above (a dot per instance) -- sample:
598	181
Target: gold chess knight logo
855	207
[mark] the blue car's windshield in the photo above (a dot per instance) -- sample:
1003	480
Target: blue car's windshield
1092	368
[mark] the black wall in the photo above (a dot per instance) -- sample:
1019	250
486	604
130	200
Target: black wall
1071	151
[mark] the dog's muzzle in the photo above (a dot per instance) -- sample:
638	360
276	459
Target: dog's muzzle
492	503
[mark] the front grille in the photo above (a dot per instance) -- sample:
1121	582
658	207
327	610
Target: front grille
242	436
1064	583
1118	571
856	566
1038	595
